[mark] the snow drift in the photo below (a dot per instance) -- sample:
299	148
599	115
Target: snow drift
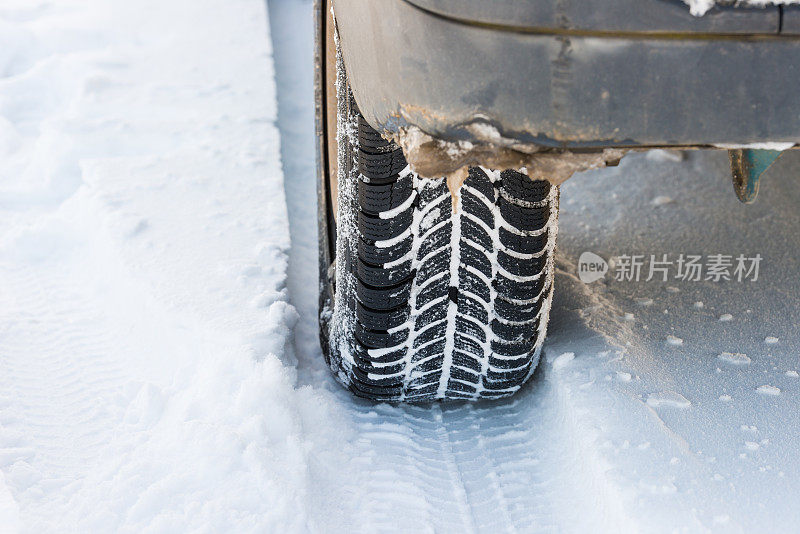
147	375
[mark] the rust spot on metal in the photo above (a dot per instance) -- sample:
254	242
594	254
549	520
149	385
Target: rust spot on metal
431	157
411	110
413	114
557	167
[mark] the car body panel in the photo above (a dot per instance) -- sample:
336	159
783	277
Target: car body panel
564	89
790	21
618	15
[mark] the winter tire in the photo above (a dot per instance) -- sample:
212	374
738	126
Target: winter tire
429	294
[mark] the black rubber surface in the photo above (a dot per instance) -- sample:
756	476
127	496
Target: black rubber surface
447	298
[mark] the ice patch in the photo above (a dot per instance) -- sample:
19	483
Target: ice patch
661	200
662	155
734	358
792	374
725	317
674	341
562	360
668	399
770	340
768	390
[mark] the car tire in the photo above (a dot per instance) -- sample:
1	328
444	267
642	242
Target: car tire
427	294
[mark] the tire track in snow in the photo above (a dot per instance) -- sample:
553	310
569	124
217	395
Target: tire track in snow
492	467
60	401
61	412
454	473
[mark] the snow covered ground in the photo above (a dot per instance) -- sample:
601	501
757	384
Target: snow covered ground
147	381
159	364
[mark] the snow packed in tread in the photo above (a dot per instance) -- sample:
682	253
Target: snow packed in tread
451	293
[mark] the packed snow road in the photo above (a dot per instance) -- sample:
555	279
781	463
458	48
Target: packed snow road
159	363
